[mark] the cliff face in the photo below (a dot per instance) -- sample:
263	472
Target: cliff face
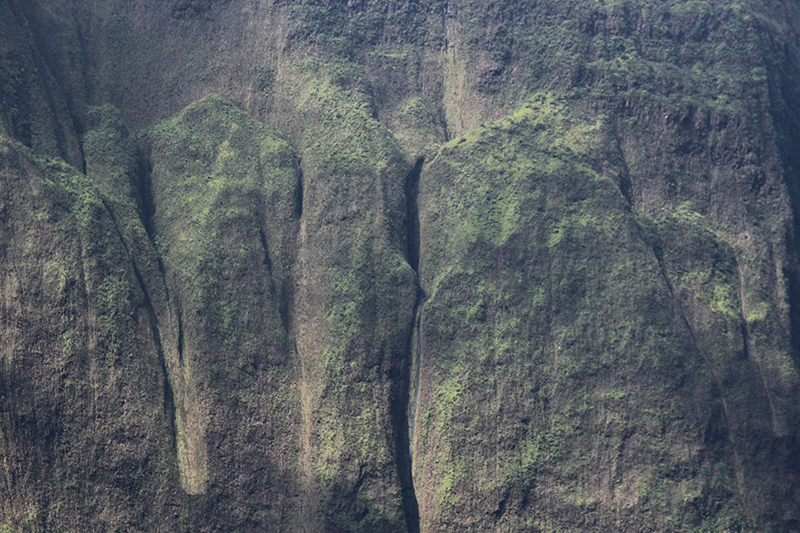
399	266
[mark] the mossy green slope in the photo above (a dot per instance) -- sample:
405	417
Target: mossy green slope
610	336
563	387
86	416
708	286
356	293
225	220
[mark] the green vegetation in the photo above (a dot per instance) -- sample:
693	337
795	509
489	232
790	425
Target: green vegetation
210	263
356	294
225	194
552	340
78	304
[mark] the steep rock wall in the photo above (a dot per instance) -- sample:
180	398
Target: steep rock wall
208	322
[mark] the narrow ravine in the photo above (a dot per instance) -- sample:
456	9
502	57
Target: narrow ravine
412	218
169	394
404	424
416	365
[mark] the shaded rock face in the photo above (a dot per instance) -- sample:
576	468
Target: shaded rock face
399	266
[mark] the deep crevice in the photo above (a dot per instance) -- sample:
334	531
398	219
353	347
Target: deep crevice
169	395
412	215
404	431
416	365
403	458
617	158
658	253
146	204
179	315
299	195
267	259
285	295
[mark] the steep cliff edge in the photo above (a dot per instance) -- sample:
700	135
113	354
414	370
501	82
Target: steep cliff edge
399	266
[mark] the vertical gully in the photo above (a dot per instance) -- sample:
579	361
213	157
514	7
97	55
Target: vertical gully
169	395
405	409
412	217
415	365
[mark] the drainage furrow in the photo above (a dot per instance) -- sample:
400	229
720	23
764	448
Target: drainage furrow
417	365
415	346
169	396
405	417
